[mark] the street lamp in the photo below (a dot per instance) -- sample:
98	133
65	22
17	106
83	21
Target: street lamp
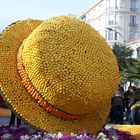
110	29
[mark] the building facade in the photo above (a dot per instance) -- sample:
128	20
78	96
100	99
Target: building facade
116	20
135	44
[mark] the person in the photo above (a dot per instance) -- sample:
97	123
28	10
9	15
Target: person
111	117
127	97
117	102
13	118
135	107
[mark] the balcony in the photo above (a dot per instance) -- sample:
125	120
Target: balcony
134	9
133	25
113	9
123	9
111	24
90	21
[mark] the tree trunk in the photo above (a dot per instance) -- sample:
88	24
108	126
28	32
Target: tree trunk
130	84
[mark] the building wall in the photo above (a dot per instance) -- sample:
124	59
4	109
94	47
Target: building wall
121	16
114	14
135	45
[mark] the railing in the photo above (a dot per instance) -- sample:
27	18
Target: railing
133	25
110	25
115	9
90	20
134	9
123	9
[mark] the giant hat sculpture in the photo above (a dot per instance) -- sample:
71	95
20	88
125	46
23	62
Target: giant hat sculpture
58	74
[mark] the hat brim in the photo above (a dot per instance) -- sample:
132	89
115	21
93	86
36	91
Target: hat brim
21	101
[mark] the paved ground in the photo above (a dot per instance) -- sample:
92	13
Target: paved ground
4	120
5	117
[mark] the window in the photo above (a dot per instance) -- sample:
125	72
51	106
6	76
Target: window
112	4
107	4
111	19
106	31
138	52
111	22
99	22
132	21
115	37
133	5
116	4
83	17
110	35
132	35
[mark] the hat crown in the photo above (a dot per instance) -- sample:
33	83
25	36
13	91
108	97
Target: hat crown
66	61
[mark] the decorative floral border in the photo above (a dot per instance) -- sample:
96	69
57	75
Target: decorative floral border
24	132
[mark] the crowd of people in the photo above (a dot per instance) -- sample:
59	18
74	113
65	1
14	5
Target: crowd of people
123	109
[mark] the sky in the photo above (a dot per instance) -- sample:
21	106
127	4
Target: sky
14	10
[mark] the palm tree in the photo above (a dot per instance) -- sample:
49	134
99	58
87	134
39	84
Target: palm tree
124	56
127	64
134	72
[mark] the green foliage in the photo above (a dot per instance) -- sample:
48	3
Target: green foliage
133	73
124	56
129	67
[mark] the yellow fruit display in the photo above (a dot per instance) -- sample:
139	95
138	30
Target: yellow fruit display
58	74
